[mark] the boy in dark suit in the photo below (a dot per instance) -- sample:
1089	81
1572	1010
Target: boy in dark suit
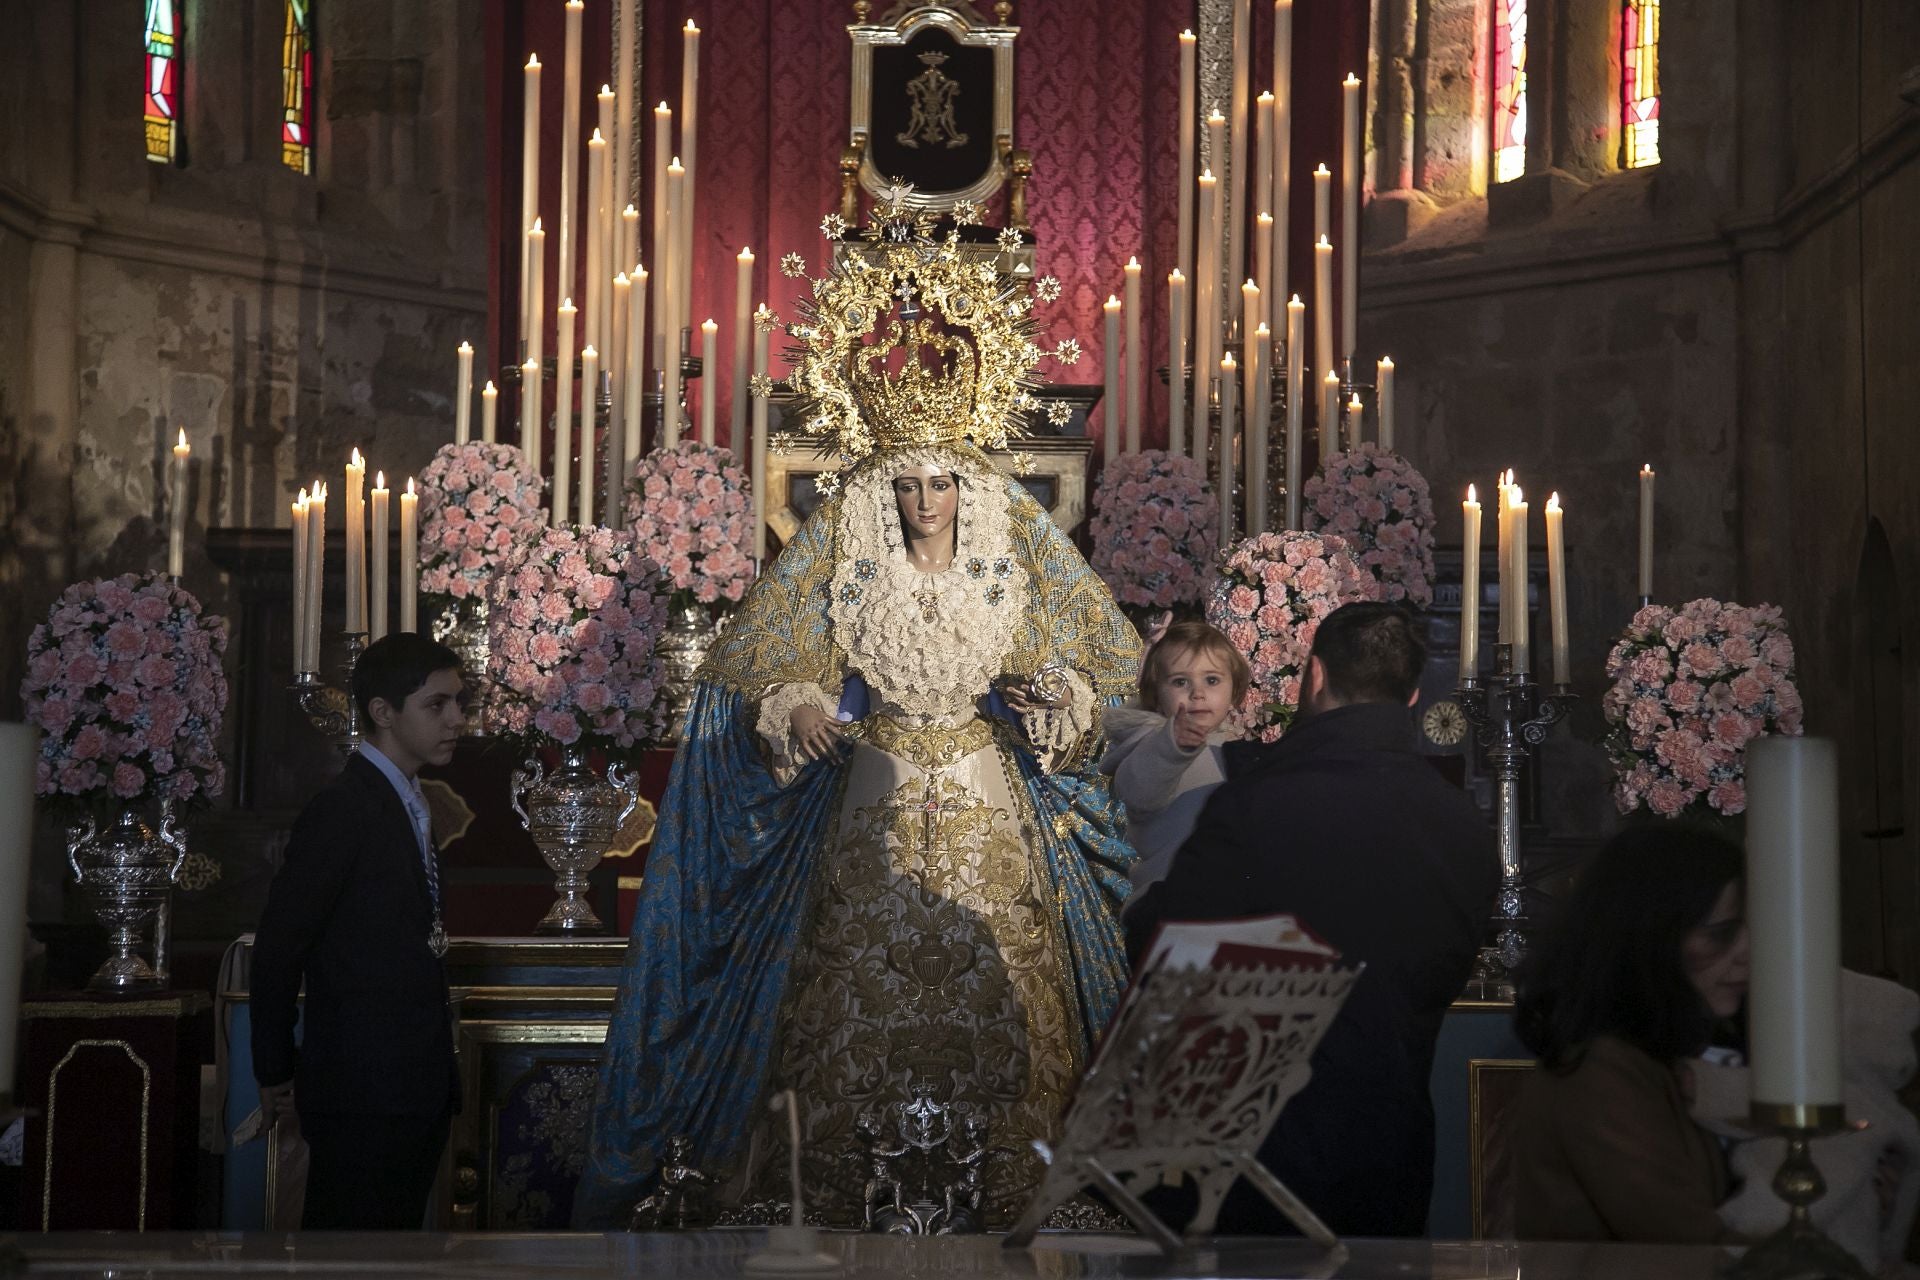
1345	826
355	912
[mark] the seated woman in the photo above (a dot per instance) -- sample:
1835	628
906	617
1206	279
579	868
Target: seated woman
1647	954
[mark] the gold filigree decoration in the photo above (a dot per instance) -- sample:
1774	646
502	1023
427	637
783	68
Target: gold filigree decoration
1047	289
1059	413
793	266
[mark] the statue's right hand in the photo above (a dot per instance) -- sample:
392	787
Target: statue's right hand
815	734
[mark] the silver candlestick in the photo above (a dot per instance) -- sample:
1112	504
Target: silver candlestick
334	713
1510	715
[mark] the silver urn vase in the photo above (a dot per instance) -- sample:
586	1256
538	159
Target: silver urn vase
573	814
690	633
461	625
127	870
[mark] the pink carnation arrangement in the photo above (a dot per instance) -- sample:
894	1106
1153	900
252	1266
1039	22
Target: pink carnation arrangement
1380	504
1691	687
1271	595
476	501
1156	527
690	513
125	682
572	620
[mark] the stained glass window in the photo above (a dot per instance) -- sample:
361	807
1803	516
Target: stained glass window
1640	84
163	77
296	88
1509	89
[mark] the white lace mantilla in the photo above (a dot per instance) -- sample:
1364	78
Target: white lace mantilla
928	644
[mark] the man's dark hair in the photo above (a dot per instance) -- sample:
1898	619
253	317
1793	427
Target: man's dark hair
1611	964
395	666
1371	653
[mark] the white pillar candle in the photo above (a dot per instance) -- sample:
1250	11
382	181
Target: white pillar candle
628	256
1322	204
1263	265
1279	205
626	87
1261	193
1323	308
489	412
537	282
1349	215
1470	586
410	559
530	392
1176	362
1383	399
1356	414
593	314
690	158
1646	531
1136	378
589	397
463	394
662	231
19	762
759	459
1249	315
1793	915
1206	323
1259	411
1229	396
298	515
1503	556
1557	590
636	366
1217	229
1329	417
606	216
1237	138
561	499
1188	121
1522	623
529	184
316	569
569	154
1296	407
1110	414
177	508
615	444
742	342
377	594
355	513
709	376
676	196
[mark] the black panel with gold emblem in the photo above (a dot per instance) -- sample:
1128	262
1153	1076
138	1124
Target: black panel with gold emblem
933	112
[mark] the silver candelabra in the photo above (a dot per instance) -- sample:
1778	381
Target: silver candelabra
333	711
1510	715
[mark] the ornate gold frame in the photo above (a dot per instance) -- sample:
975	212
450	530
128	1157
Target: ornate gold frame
967	27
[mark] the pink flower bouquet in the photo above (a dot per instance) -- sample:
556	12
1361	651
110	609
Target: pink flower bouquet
1272	593
124	679
690	513
1156	527
476	501
572	620
1691	687
1380	504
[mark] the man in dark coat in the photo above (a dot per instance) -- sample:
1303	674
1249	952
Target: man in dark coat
1345	826
355	912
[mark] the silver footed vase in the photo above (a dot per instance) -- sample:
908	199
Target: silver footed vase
461	625
573	814
690	632
127	870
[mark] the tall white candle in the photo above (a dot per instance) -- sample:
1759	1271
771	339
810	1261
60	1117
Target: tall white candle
355	512
709	377
489	412
463	394
1557	589
676	197
1263	265
1236	205
298	516
1206	322
529	182
377	594
1259	411
1329	417
1110	413
662	230
530	393
1261	193
589	394
1296	407
177	509
742	341
628	256
626	88
1503	556
569	151
1323	308
1279	205
690	158
1249	315
1349	215
1793	915
563	417
1176	362
1470	586
1383	399
1322	204
316	570
1229	430
19	762
616	367
1136	379
1646	531
759	459
410	559
537	283
636	366
606	216
593	315
1216	230
1188	122
1522	622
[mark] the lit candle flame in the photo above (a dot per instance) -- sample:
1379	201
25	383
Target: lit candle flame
1471	495
379	481
1553	500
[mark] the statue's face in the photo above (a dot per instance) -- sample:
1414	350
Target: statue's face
928	497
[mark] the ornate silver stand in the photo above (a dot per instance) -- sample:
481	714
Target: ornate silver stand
128	871
690	633
1799	1250
333	712
573	815
462	627
1510	715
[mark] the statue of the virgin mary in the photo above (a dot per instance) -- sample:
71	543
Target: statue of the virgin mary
886	866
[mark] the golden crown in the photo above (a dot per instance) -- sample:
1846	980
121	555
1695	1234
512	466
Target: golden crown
912	341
